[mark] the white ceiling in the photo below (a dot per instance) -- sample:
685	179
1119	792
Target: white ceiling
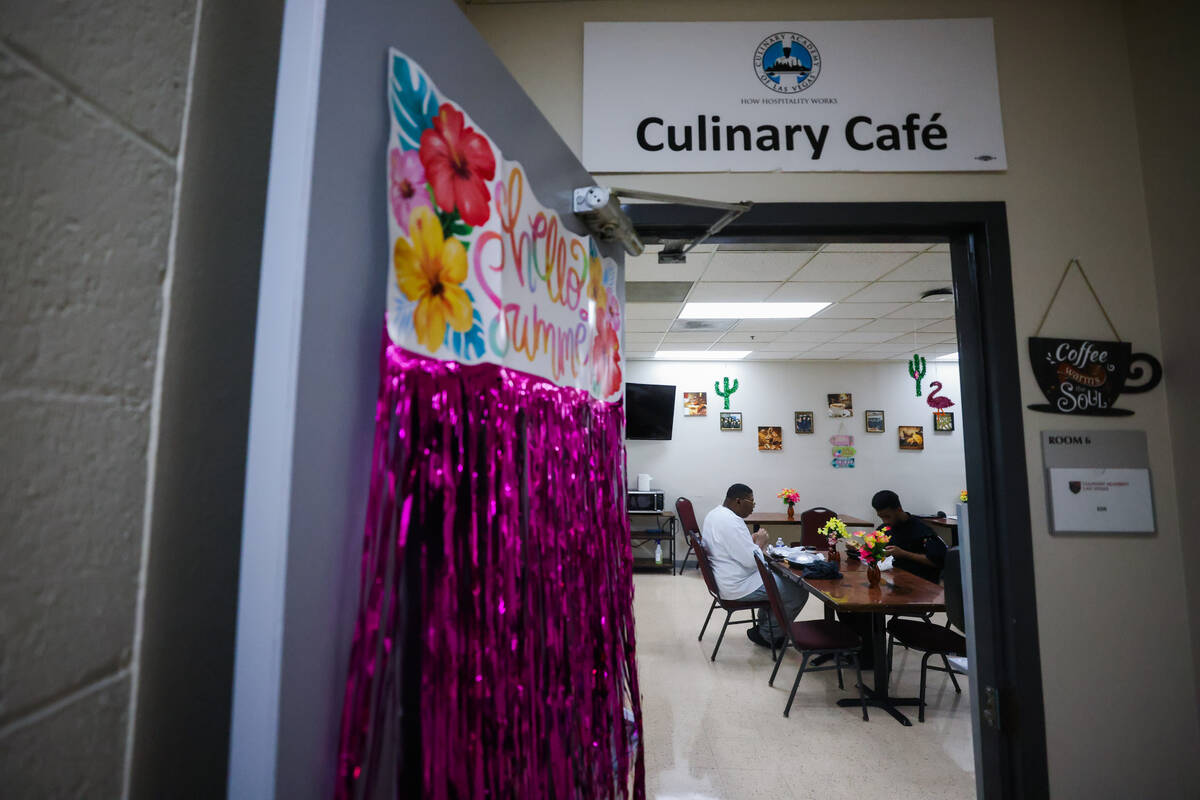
874	290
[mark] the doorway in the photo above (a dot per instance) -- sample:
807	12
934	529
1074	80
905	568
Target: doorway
1005	687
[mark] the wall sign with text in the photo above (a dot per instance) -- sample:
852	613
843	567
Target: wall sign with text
872	95
1098	482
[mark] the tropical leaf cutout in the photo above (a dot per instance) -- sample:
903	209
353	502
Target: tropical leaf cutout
470	344
413	104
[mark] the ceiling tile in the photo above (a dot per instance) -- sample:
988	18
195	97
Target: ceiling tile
646	268
924	338
896	291
943	247
690	338
928	311
778	346
867	355
837	348
859	310
866	337
875	247
753	325
652	310
925	267
647	325
731	292
688	346
809	337
894	325
767	355
700	325
850	266
942	350
941	326
831	324
642	340
754	266
890	348
745	337
794	291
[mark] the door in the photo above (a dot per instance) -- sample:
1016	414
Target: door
320	319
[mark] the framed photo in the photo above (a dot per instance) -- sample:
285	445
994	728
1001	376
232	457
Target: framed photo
912	437
943	421
731	420
770	437
804	422
695	404
874	421
841	405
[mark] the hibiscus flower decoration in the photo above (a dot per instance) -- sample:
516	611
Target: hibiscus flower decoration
407	189
429	270
458	162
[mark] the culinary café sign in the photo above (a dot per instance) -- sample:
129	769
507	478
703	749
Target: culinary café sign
875	96
480	271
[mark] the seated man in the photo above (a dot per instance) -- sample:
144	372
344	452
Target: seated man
731	551
915	547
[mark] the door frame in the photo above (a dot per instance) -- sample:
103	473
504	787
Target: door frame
1011	755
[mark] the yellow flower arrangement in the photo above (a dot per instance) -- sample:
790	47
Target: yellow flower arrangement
429	270
962	496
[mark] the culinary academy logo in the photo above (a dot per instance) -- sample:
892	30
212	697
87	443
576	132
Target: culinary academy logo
787	63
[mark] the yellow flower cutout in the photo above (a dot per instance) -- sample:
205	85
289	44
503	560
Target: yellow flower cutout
429	270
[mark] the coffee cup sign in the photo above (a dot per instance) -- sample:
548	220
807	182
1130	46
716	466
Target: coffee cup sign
1086	376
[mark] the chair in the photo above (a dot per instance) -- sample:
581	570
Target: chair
687	518
811	522
730	606
812	638
936	640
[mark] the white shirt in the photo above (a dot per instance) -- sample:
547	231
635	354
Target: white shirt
731	551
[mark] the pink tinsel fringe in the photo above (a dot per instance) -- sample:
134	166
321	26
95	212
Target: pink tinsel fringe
493	654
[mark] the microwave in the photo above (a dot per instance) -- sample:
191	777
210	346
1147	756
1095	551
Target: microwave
644	501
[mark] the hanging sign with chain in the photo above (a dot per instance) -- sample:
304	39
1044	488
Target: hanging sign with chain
1086	376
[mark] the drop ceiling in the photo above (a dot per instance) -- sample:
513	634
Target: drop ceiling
874	291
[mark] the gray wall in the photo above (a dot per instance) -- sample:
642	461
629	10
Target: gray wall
91	104
320	316
1167	97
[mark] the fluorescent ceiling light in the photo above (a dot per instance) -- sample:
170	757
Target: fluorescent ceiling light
750	310
702	355
947	357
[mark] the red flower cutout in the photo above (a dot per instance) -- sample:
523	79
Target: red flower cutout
457	163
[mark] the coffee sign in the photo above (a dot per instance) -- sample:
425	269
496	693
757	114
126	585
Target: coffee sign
1086	376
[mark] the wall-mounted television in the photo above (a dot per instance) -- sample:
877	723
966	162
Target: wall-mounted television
649	411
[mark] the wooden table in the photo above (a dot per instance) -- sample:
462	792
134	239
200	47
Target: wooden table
899	592
780	518
949	524
665	520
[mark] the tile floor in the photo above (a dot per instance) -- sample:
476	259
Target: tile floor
716	730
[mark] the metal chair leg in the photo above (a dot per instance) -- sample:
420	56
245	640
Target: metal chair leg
796	685
949	671
838	659
924	664
862	696
778	661
891	647
700	638
728	614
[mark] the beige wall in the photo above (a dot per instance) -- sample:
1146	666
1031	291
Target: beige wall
1117	663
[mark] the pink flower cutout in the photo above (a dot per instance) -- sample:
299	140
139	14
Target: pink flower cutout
407	190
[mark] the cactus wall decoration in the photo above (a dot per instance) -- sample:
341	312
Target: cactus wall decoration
916	370
729	390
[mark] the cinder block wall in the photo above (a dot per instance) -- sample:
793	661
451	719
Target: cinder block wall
92	98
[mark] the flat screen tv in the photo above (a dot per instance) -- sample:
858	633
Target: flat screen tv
649	411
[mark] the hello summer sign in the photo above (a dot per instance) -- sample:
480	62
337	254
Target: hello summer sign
481	272
875	96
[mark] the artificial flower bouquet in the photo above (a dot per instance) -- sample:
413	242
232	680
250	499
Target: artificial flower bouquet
873	546
962	496
833	530
789	496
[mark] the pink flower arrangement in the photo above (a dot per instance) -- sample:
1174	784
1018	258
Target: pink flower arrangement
874	546
789	496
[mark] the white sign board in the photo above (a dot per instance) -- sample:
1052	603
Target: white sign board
1101	500
1098	482
873	96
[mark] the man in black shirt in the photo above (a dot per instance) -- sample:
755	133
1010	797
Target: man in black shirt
915	547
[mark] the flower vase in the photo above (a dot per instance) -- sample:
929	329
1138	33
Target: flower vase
873	575
791	512
833	554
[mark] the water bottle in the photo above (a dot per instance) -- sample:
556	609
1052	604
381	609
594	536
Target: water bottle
658	553
779	543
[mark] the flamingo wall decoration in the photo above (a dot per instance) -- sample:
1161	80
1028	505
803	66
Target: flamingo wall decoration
934	401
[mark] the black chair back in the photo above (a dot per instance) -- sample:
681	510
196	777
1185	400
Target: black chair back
811	522
697	542
952	583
